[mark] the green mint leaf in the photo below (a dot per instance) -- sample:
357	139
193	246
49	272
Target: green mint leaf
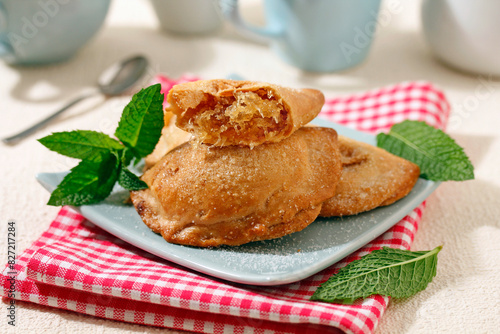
387	271
130	181
126	156
436	153
87	183
105	160
79	144
141	122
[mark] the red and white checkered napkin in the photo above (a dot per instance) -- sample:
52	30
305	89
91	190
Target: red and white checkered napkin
77	266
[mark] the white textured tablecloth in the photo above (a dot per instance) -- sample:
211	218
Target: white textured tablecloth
464	217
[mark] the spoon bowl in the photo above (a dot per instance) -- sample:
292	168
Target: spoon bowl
120	77
115	80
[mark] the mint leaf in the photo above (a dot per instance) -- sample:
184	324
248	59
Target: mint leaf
104	159
141	122
80	144
130	181
126	156
387	271
436	153
87	183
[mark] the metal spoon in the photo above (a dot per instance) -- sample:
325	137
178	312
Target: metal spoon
113	81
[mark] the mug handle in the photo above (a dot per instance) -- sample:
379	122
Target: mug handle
230	10
5	49
6	52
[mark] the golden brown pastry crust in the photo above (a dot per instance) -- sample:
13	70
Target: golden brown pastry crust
246	113
371	177
171	137
205	196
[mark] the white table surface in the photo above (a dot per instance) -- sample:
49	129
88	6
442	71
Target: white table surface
463	217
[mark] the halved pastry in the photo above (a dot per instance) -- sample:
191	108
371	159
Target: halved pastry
371	177
246	113
202	195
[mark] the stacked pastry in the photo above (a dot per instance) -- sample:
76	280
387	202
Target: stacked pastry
252	171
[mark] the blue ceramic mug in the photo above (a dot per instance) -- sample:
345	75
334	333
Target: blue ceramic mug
314	35
47	31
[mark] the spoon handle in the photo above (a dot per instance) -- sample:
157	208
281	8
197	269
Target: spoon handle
42	123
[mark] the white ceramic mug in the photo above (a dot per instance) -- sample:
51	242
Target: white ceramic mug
464	34
187	16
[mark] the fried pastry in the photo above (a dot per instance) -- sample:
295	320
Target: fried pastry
371	177
202	195
246	113
171	137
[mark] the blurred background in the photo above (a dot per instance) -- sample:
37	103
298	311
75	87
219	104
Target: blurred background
399	52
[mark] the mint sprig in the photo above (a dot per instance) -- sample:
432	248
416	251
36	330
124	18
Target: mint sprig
105	159
88	183
140	125
81	144
436	153
387	271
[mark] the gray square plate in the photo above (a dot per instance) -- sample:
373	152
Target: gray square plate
271	262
